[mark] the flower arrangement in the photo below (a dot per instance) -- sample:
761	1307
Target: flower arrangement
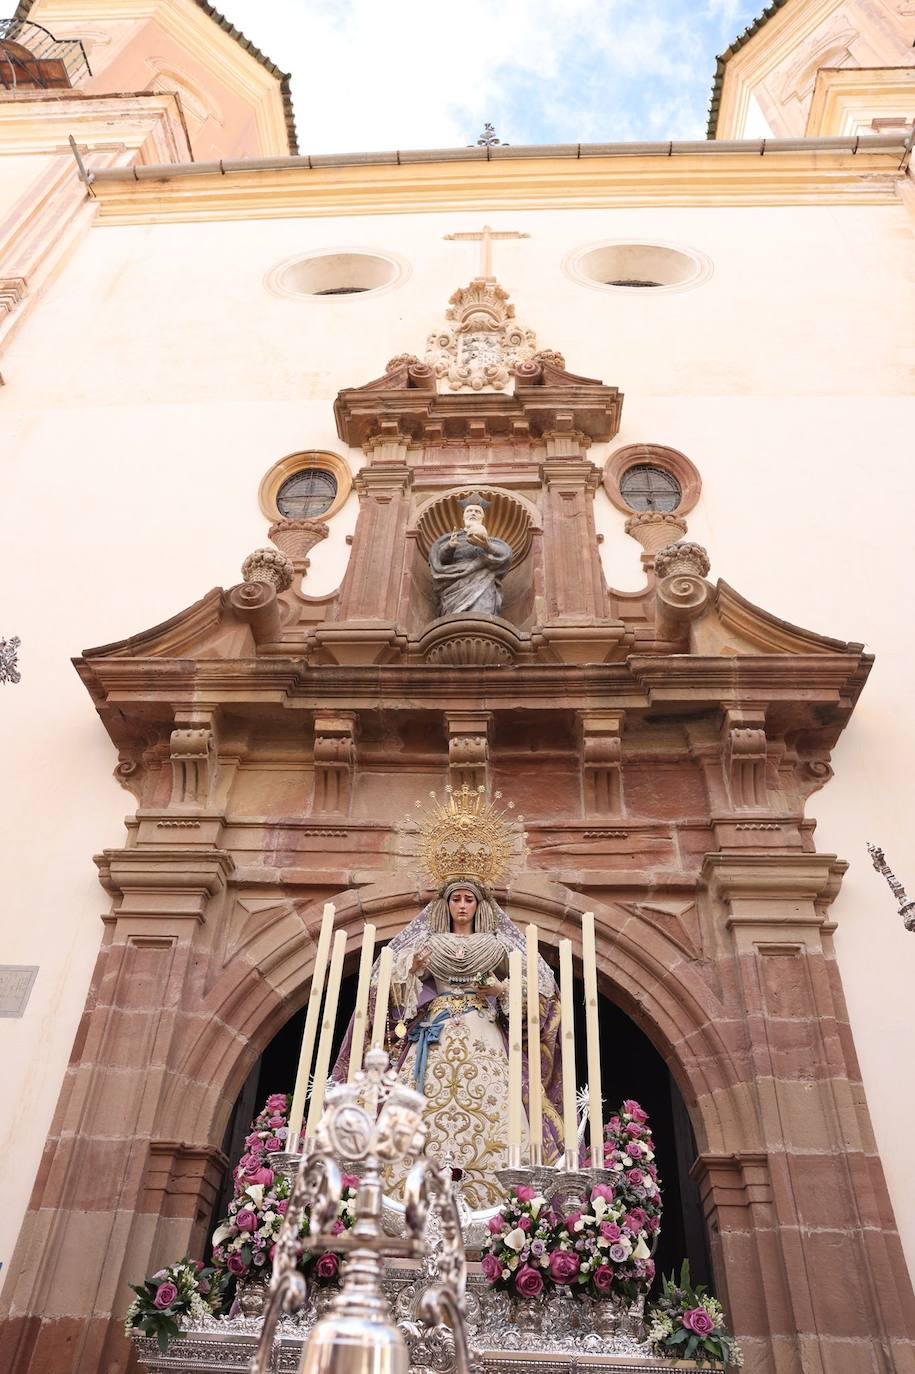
687	1322
521	1245
602	1247
245	1240
186	1289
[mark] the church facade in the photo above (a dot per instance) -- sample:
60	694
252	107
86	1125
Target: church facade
251	393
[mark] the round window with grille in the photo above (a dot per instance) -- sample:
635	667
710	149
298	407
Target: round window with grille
644	487
306	494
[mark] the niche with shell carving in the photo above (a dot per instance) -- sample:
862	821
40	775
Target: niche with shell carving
509	516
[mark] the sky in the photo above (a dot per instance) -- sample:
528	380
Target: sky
375	75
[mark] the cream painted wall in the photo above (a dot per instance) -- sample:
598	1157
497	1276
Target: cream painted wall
160	379
18	171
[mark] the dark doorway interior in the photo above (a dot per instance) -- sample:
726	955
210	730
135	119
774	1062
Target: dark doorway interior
631	1067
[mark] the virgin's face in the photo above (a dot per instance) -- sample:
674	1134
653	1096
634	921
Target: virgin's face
462	906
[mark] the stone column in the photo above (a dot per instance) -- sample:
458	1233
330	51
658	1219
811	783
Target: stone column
364	628
806	1243
110	1201
578	627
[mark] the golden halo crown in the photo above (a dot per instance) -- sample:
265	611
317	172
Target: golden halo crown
468	837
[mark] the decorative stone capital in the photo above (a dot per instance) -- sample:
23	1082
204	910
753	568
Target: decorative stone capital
655	530
682	559
296	538
268	565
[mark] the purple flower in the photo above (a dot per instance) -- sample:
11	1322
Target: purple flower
696	1320
337	1228
632	1108
610	1231
563	1266
537	1248
601	1190
236	1265
618	1253
496	1224
246	1220
634	1150
524	1223
491	1267
166	1294
272	1145
635	1177
529	1282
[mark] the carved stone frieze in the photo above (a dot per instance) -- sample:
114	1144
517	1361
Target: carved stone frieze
682	592
745	757
296	538
335	762
193	758
654	529
268	565
601	763
482	343
468	748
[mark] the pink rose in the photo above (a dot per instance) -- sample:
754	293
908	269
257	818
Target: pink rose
276	1102
492	1269
634	1150
496	1224
282	1207
264	1176
276	1121
635	1220
602	1278
236	1265
350	1181
272	1251
648	1269
571	1219
246	1220
166	1294
632	1108
525	1194
635	1177
601	1190
610	1231
337	1228
272	1145
524	1223
326	1265
564	1266
634	1129
529	1281
613	1125
698	1321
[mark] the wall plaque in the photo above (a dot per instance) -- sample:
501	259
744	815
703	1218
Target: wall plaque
15	986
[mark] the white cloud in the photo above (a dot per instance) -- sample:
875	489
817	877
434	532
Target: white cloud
423	74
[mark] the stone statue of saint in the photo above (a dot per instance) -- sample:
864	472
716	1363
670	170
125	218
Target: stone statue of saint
468	566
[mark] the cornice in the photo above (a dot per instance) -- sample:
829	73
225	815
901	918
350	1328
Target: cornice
42	124
752	174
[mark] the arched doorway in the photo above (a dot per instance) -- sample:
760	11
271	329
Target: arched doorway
631	1067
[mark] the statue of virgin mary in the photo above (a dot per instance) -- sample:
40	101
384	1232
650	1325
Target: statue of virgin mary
448	1025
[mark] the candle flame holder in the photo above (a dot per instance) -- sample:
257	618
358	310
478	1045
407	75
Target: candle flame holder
371	1122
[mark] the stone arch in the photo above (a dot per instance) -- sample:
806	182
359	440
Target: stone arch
266	981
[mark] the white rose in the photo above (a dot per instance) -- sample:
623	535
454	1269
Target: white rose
506	1273
515	1240
641	1250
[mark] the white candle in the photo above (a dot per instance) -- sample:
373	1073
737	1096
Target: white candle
362	1001
534	1089
569	1112
297	1110
515	979
325	1044
595	1097
382	992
